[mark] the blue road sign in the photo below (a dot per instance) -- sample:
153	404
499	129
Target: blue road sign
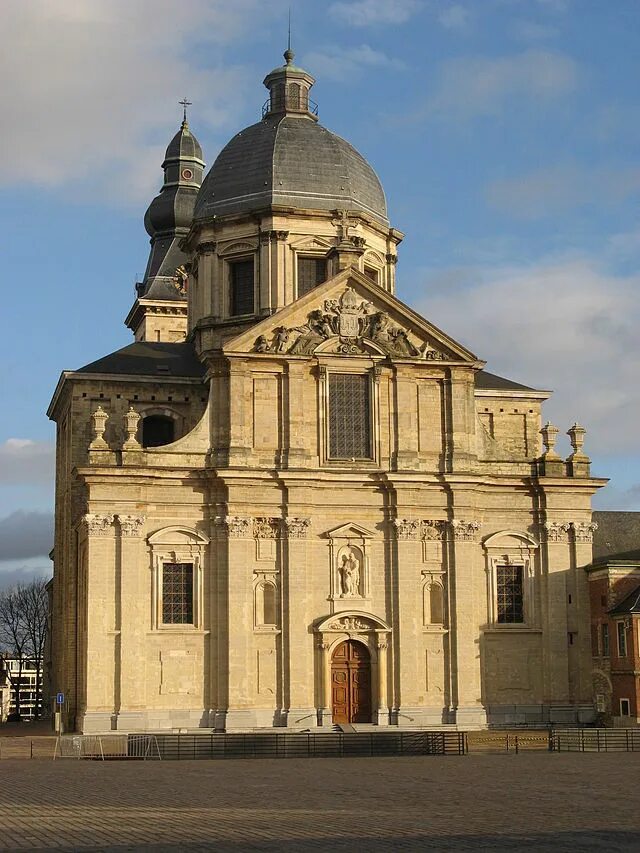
60	699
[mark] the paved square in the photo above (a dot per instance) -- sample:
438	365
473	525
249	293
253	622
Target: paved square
531	802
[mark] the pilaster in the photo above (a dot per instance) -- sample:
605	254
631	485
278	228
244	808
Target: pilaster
134	591
299	682
406	634
466	673
555	570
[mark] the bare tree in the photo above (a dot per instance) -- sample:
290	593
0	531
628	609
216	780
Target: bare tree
13	636
24	620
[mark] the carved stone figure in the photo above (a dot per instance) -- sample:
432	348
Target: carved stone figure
261	344
349	576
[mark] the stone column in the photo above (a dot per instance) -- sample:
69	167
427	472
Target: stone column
208	296
135	596
383	693
239	617
466	673
96	635
407	638
327	710
582	556
407	414
556	567
299	653
239	398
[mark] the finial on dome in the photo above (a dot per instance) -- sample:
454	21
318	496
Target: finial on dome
184	103
289	54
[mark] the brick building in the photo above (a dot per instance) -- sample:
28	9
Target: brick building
614	593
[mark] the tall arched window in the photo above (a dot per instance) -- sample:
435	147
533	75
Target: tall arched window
436	603
157	430
293	96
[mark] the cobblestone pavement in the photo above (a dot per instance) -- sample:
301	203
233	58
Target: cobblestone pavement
526	802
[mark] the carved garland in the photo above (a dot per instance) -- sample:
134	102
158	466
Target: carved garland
97	525
297	528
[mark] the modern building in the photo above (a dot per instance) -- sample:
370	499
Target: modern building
292	500
614	587
26	684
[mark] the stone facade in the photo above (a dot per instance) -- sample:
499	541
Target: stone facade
292	552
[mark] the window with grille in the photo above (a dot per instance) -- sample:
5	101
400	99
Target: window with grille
510	594
349	416
241	288
311	273
177	593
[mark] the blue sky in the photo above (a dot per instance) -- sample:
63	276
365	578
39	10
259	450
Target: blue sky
506	134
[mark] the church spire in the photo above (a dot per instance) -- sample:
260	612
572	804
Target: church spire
167	221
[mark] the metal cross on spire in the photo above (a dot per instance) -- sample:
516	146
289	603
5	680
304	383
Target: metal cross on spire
184	103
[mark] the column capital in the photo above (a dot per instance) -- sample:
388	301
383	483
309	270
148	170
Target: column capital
406	528
97	525
130	525
557	531
465	531
297	528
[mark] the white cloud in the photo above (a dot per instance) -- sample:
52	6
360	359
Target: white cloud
23	461
367	13
482	86
334	63
454	17
552	190
533	31
568	326
90	89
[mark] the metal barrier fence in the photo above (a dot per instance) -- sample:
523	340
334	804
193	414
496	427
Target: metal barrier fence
596	740
494	742
312	745
107	747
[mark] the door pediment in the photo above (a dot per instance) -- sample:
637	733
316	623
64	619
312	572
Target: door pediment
349	315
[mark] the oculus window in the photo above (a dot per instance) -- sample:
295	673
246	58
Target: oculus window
177	593
241	288
349	416
510	593
311	273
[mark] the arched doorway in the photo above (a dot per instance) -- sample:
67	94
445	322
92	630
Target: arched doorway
351	683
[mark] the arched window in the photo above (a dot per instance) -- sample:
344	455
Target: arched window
157	430
293	96
266	607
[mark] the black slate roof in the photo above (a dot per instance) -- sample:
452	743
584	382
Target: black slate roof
630	604
617	536
486	381
146	358
293	162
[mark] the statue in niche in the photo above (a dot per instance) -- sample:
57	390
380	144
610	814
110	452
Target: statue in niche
349	572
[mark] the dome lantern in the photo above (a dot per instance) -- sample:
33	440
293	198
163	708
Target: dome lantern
289	88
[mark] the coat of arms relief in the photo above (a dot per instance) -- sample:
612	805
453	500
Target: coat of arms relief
349	322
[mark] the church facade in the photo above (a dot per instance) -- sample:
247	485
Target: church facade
292	500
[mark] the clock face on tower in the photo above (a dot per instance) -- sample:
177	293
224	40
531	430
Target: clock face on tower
187	174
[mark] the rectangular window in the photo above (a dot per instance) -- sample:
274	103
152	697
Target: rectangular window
349	416
622	640
510	594
311	273
177	593
371	273
595	651
605	640
241	288
625	708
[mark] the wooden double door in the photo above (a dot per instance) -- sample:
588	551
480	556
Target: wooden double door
351	683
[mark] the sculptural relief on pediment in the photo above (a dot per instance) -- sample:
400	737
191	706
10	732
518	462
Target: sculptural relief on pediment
349	326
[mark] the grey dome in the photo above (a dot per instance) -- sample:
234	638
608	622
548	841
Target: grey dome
184	145
292	162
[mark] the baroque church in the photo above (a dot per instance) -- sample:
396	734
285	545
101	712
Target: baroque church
293	501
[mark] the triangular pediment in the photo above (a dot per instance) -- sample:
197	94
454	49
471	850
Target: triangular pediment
350	315
349	531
